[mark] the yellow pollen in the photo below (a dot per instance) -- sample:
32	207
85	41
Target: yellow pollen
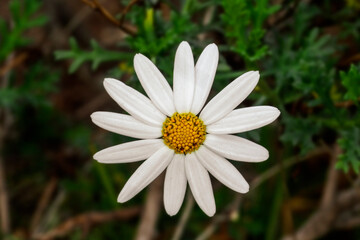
183	132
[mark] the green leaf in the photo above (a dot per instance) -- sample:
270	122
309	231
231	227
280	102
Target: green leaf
156	36
299	132
351	82
37	22
97	56
349	143
243	21
22	16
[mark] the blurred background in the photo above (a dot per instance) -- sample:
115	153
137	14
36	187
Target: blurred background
54	55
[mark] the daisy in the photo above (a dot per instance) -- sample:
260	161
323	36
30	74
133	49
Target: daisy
178	134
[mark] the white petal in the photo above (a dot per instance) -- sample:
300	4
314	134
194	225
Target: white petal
130	151
244	119
222	169
155	85
146	173
230	97
236	148
135	103
204	76
175	184
125	125
200	184
184	78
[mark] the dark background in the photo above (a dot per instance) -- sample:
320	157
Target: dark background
54	55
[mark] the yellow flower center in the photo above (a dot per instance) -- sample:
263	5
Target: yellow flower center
183	132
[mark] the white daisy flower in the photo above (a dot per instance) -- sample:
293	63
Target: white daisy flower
178	135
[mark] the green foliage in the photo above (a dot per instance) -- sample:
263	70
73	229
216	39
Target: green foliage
300	132
302	66
156	35
97	56
351	82
38	82
244	22
304	71
11	34
349	143
302	20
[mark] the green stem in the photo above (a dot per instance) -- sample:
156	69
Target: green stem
275	209
104	177
186	7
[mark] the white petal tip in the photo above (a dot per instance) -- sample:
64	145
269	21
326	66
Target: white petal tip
121	199
213	45
213	50
138	56
171	212
184	43
110	82
277	112
210	212
99	158
264	155
244	189
94	116
96	157
261	156
253	75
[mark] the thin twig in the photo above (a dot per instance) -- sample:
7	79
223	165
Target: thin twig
12	63
281	16
126	10
146	229
331	183
43	203
87	220
4	201
347	104
324	219
50	217
213	226
348	223
184	217
5	122
94	4
330	207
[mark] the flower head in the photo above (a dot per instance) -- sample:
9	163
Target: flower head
178	134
